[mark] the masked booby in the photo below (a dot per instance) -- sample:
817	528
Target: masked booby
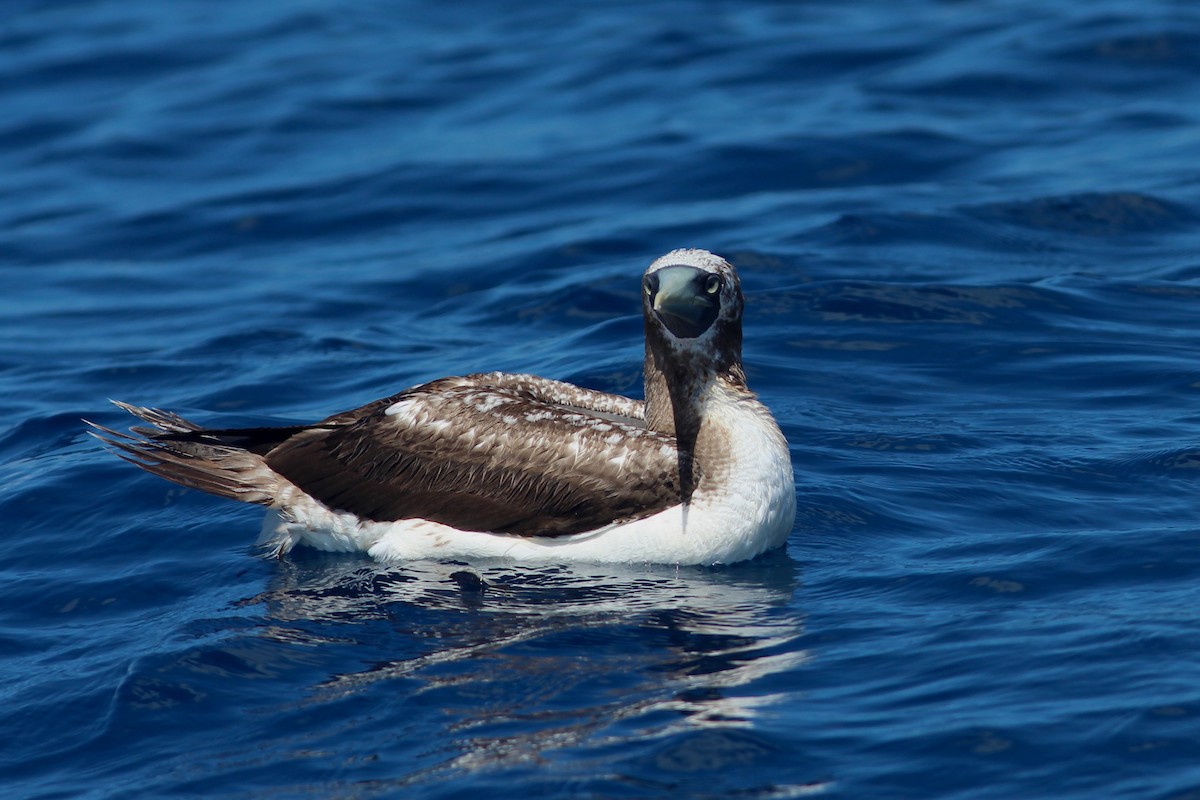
521	467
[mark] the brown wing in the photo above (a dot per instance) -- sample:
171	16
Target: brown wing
558	393
477	457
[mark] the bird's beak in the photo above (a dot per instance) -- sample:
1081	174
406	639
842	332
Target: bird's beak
681	303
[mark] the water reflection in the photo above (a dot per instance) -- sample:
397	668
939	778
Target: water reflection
509	662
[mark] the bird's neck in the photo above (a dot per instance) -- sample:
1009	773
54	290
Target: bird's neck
677	383
678	391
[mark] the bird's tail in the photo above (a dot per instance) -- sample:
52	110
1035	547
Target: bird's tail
214	461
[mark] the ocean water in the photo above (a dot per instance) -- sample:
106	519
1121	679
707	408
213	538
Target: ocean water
970	238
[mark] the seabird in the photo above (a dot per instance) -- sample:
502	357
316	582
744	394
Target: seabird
516	466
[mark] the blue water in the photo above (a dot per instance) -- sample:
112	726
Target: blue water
970	238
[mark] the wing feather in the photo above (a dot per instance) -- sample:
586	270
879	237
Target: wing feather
480	454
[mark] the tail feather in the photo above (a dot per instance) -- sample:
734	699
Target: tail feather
184	453
163	421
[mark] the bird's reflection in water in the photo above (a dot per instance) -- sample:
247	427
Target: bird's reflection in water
508	662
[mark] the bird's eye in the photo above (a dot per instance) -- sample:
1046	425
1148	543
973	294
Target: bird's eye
712	284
